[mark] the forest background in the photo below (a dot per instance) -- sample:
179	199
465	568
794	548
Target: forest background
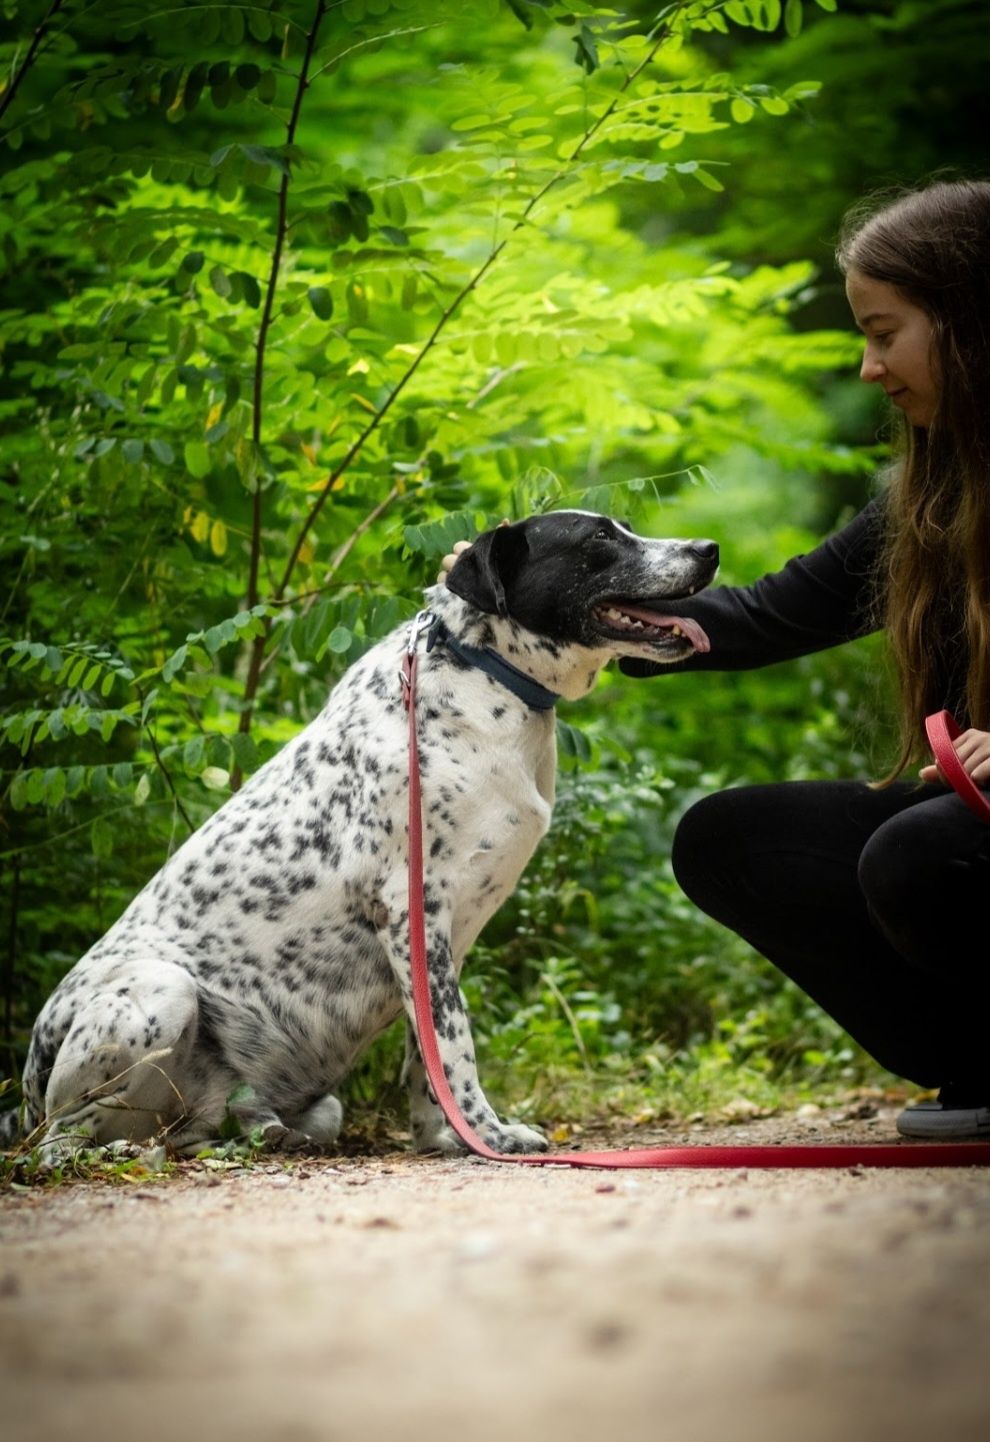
296	294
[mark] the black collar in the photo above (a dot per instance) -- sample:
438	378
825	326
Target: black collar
535	696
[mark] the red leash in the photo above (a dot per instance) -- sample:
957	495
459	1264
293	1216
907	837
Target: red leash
904	1154
942	730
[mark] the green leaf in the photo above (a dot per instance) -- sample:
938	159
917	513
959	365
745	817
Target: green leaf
707	180
249	287
245	751
162	451
360	201
266	157
321	300
357	303
18	791
572	741
220	281
340	220
54	787
587	50
195	84
175	663
101	838
197	458
437	538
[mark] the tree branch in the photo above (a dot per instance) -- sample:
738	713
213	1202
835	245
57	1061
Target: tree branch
8	96
266	314
168	776
479	275
340	556
255	666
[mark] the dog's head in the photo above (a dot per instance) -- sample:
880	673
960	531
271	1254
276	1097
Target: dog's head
583	579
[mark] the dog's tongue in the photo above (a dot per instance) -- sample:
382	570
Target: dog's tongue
691	629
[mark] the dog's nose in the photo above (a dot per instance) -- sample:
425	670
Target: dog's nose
706	551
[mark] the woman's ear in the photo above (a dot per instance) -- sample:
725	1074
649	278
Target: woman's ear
481	575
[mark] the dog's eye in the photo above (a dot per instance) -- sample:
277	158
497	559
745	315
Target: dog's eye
602	534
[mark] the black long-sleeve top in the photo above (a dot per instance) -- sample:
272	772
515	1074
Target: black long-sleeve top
815	601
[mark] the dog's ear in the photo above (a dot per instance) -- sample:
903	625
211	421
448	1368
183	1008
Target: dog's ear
481	574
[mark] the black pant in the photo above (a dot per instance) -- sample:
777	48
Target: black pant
874	902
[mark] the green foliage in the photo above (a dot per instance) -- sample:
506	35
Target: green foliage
269	348
27	1167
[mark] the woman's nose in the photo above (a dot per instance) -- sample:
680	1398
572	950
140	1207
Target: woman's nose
872	368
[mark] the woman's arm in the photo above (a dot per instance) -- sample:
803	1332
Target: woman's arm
817	600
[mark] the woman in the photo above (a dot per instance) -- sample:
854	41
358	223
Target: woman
872	898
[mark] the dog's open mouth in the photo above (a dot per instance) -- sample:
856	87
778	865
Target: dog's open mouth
618	618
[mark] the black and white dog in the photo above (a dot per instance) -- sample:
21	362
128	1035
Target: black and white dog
258	964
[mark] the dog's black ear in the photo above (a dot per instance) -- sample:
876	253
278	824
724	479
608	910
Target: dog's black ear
480	575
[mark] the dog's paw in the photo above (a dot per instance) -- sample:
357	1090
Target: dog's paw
321	1122
441	1139
275	1136
513	1137
507	1137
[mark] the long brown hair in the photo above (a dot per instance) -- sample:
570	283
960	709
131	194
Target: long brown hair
933	246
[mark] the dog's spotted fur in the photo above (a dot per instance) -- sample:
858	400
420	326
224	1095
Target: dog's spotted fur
257	965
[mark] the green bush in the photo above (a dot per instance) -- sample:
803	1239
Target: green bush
297	294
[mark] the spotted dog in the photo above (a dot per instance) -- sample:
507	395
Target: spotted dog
253	970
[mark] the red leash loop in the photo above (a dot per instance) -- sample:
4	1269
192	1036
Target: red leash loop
942	729
905	1154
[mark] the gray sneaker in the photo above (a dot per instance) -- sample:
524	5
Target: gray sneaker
956	1116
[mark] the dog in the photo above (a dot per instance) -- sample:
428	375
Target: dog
252	971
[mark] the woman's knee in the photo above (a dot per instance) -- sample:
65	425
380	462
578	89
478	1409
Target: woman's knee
708	845
925	867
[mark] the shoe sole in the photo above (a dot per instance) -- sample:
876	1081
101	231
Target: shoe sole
933	1122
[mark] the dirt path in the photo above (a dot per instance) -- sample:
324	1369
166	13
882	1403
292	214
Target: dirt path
410	1298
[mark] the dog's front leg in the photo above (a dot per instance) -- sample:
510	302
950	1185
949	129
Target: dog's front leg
430	1131
428	1125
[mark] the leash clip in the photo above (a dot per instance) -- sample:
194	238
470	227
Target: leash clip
420	625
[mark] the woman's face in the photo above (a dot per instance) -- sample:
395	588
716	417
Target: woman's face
898	345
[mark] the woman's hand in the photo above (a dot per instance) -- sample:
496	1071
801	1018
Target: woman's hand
973	749
447	563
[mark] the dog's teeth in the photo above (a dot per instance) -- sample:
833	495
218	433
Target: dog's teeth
676	630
